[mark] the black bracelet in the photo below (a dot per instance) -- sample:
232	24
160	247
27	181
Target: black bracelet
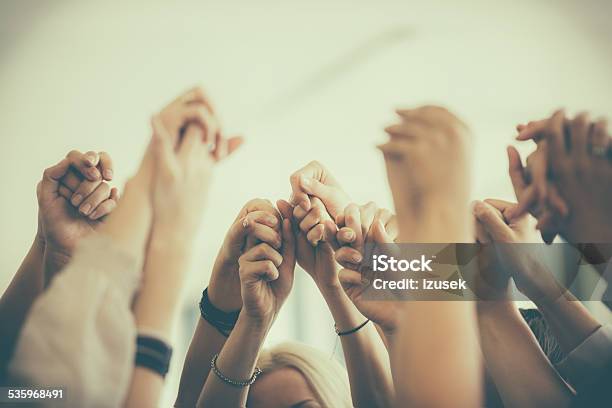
351	331
153	354
227	380
224	322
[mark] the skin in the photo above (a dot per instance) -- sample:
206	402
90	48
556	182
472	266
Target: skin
366	225
257	221
265	285
569	321
364	352
427	160
182	161
580	176
315	180
60	227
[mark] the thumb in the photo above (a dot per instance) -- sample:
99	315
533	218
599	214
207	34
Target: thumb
163	150
285	209
51	178
493	222
288	250
501	205
234	143
315	187
380	234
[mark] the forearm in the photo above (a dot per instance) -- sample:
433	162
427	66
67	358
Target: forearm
523	375
568	320
365	354
437	339
237	361
129	224
155	310
156	306
206	342
17	299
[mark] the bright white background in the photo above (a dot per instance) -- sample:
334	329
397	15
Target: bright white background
300	80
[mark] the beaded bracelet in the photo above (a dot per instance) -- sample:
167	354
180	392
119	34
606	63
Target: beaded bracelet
351	331
227	380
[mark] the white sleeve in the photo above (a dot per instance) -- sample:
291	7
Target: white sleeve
80	333
590	359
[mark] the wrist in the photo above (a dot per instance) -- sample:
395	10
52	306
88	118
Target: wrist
492	309
439	223
258	325
224	295
56	256
332	289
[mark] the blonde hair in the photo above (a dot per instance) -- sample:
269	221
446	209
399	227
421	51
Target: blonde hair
325	376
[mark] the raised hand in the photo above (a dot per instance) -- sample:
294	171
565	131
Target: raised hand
60	223
257	222
180	184
364	226
578	160
428	167
266	276
507	260
314	180
194	107
313	253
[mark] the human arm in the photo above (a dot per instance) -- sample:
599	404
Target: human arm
427	160
58	225
257	221
266	278
179	195
365	354
87	310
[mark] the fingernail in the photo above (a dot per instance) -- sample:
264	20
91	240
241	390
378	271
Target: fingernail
245	223
86	209
91	160
357	258
349	234
94	215
76	199
365	281
272	220
93	173
108	174
305	181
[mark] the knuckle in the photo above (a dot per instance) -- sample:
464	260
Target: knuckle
295	177
269	266
73	153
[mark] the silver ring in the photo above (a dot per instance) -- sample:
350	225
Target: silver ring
598	151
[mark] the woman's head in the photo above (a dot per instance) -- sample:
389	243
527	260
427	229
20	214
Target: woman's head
295	375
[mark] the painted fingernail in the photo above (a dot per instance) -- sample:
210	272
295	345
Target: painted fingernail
108	174
76	199
86	209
